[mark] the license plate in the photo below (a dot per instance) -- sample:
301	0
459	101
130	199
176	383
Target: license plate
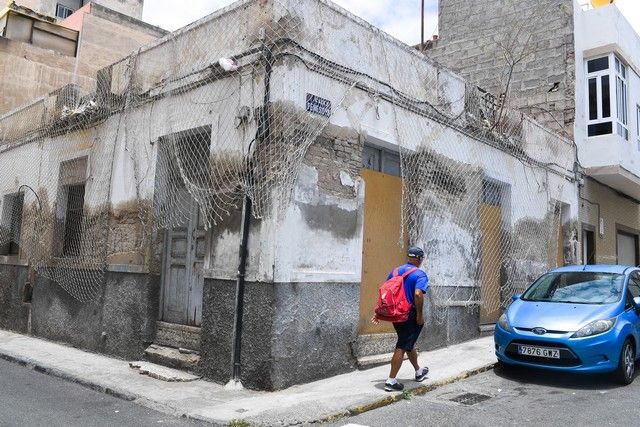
550	353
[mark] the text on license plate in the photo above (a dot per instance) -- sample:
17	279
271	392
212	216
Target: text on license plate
527	350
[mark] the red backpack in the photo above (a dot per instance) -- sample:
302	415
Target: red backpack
393	305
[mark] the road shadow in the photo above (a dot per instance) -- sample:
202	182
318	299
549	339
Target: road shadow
557	379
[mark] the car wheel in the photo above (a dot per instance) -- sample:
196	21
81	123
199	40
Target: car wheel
627	363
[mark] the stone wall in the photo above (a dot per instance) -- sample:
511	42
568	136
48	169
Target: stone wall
471	36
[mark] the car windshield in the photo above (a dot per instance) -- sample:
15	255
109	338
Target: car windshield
577	287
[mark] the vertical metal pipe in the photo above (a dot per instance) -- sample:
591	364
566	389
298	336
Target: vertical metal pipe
242	268
262	134
422	27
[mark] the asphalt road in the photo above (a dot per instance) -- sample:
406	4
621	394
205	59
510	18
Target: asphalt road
30	398
514	397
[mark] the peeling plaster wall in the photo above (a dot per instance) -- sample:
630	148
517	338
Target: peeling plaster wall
531	189
302	296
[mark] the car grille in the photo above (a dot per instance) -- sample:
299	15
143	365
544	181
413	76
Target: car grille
548	330
567	357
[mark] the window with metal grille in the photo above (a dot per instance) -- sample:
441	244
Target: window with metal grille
73	220
11	225
381	160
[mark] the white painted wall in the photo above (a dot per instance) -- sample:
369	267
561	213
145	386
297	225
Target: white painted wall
284	247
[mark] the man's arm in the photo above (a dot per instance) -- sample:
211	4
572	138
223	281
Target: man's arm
418	299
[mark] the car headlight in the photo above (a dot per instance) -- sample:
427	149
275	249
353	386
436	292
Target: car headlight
595	328
504	323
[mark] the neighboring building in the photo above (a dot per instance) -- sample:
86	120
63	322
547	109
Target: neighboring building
122	216
62	9
39	54
593	54
475	37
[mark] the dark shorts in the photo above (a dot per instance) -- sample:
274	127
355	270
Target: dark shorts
408	332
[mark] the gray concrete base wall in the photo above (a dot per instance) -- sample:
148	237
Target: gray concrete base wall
456	325
14	315
120	322
292	333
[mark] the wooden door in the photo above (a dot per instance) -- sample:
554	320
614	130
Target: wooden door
491	260
381	251
182	278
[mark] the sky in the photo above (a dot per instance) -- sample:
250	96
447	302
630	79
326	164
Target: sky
400	18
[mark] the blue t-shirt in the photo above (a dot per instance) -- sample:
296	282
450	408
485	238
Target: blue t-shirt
416	280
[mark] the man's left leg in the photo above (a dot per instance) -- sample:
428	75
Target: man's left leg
413	358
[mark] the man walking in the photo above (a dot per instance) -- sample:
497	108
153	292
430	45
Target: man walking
415	286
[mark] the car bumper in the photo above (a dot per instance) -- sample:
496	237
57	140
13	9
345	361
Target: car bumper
595	354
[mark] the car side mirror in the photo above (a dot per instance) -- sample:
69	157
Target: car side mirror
516	297
636	303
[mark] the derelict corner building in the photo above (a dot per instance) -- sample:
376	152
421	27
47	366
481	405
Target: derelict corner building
292	138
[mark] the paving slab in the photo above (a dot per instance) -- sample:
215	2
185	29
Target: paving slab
323	400
162	372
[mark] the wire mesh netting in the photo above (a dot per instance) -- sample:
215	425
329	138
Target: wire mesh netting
205	117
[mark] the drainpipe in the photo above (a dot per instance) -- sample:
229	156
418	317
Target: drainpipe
262	134
239	308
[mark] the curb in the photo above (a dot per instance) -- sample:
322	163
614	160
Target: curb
120	394
417	391
348	412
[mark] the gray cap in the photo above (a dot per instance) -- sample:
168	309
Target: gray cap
415	252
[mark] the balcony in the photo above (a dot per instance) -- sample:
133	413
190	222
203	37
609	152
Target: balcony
613	161
607	127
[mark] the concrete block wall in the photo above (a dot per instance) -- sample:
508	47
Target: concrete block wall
470	37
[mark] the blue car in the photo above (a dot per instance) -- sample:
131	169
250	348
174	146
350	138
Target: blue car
577	319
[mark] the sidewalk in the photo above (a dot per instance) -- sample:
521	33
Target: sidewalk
323	400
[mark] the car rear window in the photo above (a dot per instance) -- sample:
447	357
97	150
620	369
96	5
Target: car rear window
579	287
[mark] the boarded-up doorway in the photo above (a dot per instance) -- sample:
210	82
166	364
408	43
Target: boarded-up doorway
381	251
491	251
